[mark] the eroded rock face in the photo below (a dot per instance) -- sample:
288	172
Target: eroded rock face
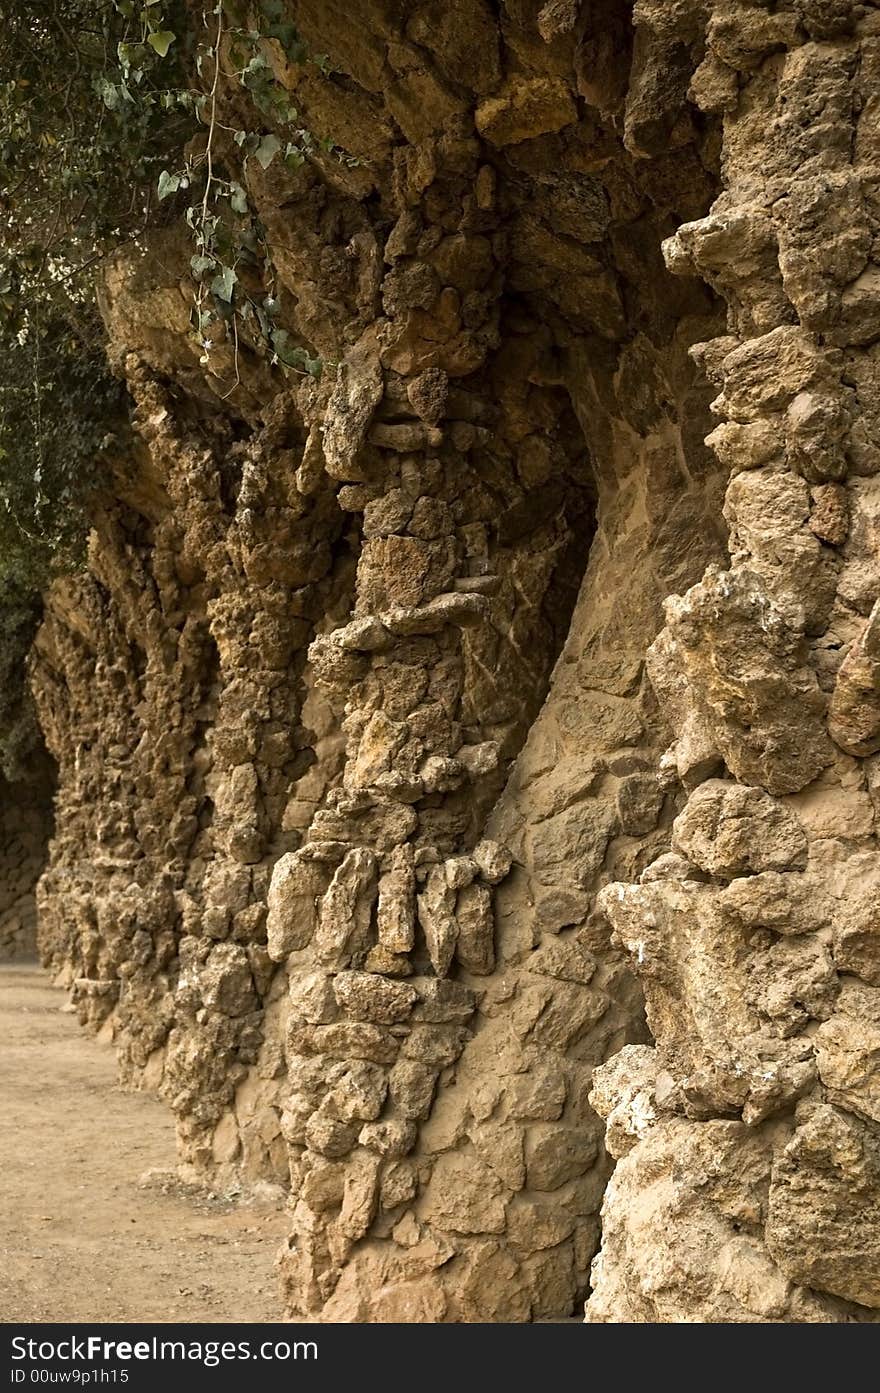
746	1188
419	726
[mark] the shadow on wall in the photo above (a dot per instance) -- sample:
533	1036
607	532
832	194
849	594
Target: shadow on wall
26	822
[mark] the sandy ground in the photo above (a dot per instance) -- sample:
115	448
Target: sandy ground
80	1238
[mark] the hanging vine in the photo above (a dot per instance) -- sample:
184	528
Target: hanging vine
112	124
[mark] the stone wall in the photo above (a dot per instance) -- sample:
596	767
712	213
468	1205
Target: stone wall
369	829
746	1188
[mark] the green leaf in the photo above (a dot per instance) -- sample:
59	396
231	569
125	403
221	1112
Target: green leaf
168	184
257	64
223	285
293	357
108	93
267	150
201	264
238	199
161	41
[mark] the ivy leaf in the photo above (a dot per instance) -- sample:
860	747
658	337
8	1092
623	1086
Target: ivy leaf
267	150
168	184
161	41
238	199
222	285
201	264
108	93
257	64
292	356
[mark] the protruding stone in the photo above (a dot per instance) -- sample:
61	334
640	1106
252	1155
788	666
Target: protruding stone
436	906
344	921
854	709
364	996
729	830
294	890
527	107
493	859
395	917
475	940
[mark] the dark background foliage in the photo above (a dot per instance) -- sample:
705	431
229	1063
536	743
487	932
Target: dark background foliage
92	106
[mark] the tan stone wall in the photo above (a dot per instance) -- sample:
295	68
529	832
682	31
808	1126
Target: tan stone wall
748	1141
313	649
370	832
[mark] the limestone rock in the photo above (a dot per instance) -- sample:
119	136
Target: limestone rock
822	1225
294	890
365	996
463	750
524	109
729	830
854	709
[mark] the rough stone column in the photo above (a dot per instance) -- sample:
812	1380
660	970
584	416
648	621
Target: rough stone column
384	916
748	1139
437	1176
168	681
483	1205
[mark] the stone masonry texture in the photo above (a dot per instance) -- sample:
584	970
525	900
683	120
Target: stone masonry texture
468	764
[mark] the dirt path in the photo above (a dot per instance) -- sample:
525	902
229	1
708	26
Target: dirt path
80	1239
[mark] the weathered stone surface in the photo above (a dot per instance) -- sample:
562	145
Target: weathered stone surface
745	666
854	709
528	107
823	1225
344	917
294	890
848	1061
682	1234
466	1196
436	907
721	1033
366	996
773	973
382	776
395	915
728	830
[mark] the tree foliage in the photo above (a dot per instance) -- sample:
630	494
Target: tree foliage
110	122
92	106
